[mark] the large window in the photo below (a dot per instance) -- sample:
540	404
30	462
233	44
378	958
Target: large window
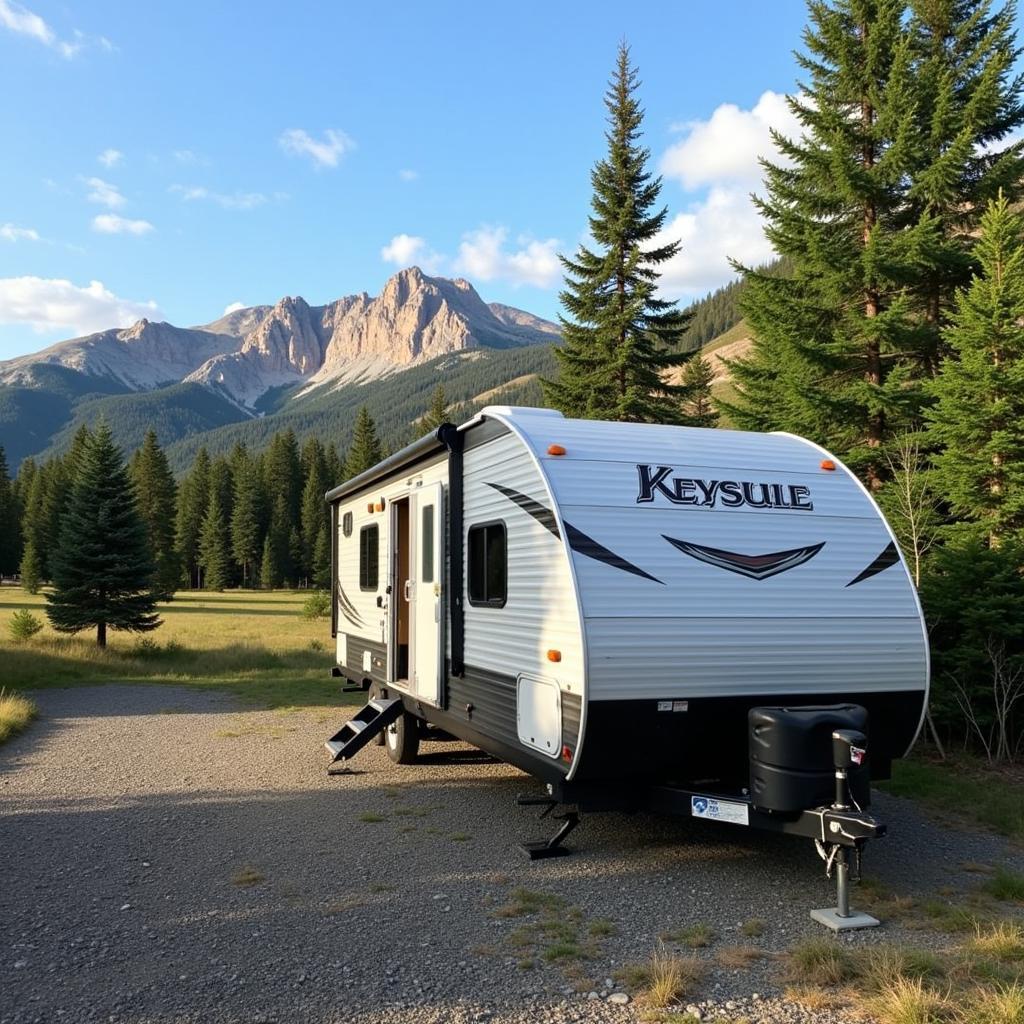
369	557
427	543
488	565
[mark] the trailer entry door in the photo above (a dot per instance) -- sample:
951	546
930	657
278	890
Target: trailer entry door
426	573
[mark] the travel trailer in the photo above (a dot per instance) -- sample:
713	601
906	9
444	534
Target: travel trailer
710	622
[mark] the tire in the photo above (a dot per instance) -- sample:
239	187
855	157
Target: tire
372	694
402	739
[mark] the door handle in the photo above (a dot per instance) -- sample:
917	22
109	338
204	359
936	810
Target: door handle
407	590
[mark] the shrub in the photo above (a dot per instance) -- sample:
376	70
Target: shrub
317	605
23	626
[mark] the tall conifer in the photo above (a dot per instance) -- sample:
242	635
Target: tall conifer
619	337
102	569
155	492
193	499
365	450
10	522
247	518
215	545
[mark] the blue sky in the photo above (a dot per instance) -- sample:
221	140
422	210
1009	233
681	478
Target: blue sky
169	160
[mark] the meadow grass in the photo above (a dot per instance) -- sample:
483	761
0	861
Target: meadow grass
15	713
255	644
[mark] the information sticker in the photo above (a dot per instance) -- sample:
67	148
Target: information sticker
720	810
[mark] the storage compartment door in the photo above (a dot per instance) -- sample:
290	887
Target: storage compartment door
539	714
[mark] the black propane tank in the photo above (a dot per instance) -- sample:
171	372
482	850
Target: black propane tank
791	757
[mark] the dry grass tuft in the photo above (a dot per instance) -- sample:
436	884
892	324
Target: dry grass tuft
739	957
1004	941
601	928
248	875
810	998
15	713
1005	885
695	936
670	978
1001	1005
908	1001
754	928
818	962
523	902
881	966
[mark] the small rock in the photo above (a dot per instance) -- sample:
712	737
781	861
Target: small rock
593	995
609	984
127	906
618	997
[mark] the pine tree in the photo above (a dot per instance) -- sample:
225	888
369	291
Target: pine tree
978	418
836	343
968	103
365	450
58	480
215	545
437	413
295	557
31	569
156	492
270	572
334	466
314	508
193	500
698	376
10	522
322	559
621	337
247	518
102	570
282	471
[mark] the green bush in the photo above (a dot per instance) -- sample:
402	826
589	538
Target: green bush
317	605
23	626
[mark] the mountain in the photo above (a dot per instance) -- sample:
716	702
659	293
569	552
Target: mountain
261	361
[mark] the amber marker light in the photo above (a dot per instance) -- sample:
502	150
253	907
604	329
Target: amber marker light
554	655
555	449
369	508
379	507
828	464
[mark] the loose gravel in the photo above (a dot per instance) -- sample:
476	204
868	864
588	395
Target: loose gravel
168	856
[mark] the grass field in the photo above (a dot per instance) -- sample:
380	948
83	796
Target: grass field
254	644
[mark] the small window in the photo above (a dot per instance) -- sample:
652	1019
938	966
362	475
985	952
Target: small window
369	559
346	524
427	543
488	565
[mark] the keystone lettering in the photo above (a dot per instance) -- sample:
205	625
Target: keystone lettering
724	493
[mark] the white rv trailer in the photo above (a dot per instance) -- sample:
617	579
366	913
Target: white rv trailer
602	604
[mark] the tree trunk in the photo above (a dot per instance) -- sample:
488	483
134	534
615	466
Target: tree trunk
101	634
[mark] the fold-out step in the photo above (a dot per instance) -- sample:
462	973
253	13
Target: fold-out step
361	728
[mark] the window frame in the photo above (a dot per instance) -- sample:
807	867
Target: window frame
489	602
363	569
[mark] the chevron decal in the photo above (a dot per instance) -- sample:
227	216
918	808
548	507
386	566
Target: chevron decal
754	567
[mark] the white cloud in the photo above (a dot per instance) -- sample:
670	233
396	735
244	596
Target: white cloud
24	22
12	233
408	174
233	307
110	157
325	152
114	224
104	193
483	256
48	304
726	147
233	201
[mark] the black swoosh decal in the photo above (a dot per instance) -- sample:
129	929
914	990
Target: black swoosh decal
541	513
890	556
585	545
754	567
348	610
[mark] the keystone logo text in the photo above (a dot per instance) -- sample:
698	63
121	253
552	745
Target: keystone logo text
682	490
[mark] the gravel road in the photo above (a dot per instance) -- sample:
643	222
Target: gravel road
169	856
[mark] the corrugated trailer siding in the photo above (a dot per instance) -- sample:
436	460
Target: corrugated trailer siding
540	613
706	657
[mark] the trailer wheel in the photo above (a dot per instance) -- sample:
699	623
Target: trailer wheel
374	693
402	739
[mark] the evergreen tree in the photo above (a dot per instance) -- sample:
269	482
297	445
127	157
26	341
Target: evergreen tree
155	492
295	557
836	342
193	500
698	376
58	480
314	509
365	450
978	418
270	571
282	471
10	522
334	466
75	454
437	413
621	337
215	545
31	568
322	559
102	570
247	518
968	102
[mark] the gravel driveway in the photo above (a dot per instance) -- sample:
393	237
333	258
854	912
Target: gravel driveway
167	855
